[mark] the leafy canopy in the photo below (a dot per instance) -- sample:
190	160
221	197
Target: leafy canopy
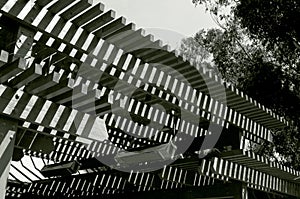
257	48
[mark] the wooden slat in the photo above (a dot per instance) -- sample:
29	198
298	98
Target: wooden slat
76	9
42	83
63	85
11	69
26	77
59	5
36	108
260	163
89	15
122	33
99	21
239	170
43	3
111	27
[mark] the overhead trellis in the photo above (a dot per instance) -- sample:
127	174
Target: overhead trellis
69	71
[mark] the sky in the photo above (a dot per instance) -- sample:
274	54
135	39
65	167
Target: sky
168	20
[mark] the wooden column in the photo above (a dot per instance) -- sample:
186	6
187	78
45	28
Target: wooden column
7	140
24	42
244	194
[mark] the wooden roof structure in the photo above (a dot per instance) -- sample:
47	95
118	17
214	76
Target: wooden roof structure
66	65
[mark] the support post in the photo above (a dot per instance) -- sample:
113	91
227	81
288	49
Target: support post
7	141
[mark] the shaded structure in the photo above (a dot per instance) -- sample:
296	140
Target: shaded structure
84	96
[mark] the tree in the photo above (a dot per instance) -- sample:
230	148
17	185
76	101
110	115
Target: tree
193	50
276	24
257	48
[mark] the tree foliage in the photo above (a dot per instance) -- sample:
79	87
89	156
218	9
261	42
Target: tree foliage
193	50
257	48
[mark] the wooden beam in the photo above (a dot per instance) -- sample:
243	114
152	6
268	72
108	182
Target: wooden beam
11	69
26	77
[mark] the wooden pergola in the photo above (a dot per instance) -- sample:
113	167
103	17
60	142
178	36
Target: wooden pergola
72	73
